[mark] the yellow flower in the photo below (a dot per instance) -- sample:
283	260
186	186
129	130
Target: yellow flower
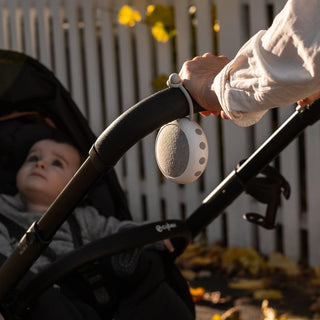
128	16
216	317
150	9
159	32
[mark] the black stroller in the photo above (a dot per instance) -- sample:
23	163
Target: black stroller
34	105
42	103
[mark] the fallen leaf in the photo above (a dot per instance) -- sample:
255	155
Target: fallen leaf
200	261
231	314
268	313
269	294
249	284
248	258
315	281
197	293
188	274
215	297
278	261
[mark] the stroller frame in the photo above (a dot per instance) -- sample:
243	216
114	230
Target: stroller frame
124	132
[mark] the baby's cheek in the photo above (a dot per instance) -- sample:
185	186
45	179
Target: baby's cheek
20	177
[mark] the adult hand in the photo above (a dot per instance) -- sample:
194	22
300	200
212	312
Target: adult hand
168	244
197	77
306	101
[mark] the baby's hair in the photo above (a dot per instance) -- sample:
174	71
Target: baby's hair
59	137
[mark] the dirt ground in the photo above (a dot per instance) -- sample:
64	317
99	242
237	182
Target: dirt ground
223	282
299	301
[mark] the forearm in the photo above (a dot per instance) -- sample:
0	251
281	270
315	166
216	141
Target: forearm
275	68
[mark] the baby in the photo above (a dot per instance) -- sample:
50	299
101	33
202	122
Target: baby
46	171
137	275
48	167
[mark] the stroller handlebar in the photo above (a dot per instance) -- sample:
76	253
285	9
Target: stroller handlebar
138	121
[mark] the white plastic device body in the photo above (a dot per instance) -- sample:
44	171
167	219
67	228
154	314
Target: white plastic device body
181	146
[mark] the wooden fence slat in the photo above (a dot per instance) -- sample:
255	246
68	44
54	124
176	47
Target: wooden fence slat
212	174
313	199
278	5
74	59
266	238
183	38
109	69
204	27
235	139
258	17
145	75
128	94
172	199
290	209
15	25
169	192
60	68
230	20
29	18
109	63
144	54
95	115
237	148
190	195
43	16
163	52
4	32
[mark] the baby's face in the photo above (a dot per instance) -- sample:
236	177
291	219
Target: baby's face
47	169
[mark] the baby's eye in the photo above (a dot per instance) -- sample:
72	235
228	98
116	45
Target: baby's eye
57	163
32	158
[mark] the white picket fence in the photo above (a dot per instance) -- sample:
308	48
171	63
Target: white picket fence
109	67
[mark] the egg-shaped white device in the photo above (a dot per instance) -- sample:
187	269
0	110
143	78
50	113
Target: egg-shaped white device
181	151
181	145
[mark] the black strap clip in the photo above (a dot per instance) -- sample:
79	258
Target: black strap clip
267	189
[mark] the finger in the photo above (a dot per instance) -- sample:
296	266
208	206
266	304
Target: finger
301	103
209	113
168	245
205	113
304	102
224	116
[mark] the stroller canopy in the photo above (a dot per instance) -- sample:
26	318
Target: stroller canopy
33	103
